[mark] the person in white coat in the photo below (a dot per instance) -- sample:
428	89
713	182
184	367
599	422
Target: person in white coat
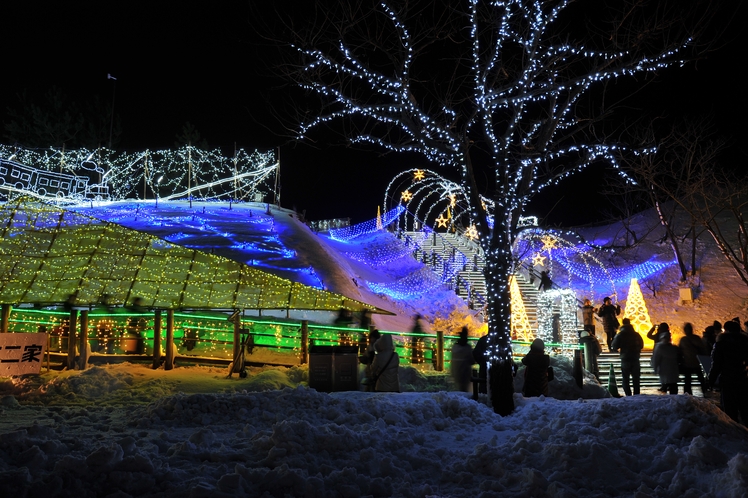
385	366
462	362
665	363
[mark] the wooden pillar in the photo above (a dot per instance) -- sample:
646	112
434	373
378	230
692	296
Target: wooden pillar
237	343
304	342
439	351
49	343
72	326
156	339
169	361
5	318
83	342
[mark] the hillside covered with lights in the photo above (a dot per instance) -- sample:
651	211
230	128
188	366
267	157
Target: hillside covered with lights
373	265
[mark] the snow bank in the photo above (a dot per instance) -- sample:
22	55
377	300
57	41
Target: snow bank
295	441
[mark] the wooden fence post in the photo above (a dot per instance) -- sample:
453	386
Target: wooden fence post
5	318
304	342
439	351
237	343
72	326
156	339
83	343
169	361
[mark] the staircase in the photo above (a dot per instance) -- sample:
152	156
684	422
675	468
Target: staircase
529	293
649	380
437	249
469	283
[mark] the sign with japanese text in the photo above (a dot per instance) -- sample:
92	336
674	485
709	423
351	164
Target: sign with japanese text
21	354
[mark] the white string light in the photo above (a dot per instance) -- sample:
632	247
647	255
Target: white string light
523	111
82	176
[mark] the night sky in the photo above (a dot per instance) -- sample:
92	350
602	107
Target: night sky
201	62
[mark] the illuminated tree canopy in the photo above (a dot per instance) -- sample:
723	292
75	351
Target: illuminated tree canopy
509	95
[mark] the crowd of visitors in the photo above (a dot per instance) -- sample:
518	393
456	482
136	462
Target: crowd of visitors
721	353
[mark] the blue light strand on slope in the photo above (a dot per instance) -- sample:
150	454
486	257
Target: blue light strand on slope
414	285
348	233
380	255
420	282
619	275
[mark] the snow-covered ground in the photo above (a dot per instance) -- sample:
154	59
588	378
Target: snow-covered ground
126	430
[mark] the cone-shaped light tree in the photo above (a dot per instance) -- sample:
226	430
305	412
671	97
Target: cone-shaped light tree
636	311
509	95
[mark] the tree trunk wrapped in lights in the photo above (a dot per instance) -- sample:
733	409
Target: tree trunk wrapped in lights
498	93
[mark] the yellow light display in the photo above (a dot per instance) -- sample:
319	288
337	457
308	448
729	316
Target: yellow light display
48	254
549	242
472	233
538	259
441	221
636	311
521	330
406	195
419	174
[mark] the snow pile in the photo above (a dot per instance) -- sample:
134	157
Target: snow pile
298	442
211	435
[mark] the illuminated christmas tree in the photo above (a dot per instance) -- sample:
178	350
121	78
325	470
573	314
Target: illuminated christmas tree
520	323
636	311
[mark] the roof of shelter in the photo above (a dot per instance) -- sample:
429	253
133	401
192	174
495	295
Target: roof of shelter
48	254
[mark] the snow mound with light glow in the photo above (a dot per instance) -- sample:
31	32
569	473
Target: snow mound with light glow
221	437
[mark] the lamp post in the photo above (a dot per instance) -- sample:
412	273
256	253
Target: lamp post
111	122
158	189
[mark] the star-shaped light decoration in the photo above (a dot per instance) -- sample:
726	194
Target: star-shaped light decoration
538	260
441	221
452	199
419	174
472	233
549	243
406	195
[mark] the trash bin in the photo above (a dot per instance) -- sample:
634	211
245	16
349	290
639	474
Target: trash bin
333	368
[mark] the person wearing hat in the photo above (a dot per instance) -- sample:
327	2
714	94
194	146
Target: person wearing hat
592	350
588	316
536	370
608	313
659	332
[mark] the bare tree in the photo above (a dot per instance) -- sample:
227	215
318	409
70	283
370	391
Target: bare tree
517	92
674	181
720	199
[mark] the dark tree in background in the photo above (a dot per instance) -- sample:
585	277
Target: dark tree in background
675	181
695	191
511	96
55	119
190	136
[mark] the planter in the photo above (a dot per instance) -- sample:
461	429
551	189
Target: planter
132	345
